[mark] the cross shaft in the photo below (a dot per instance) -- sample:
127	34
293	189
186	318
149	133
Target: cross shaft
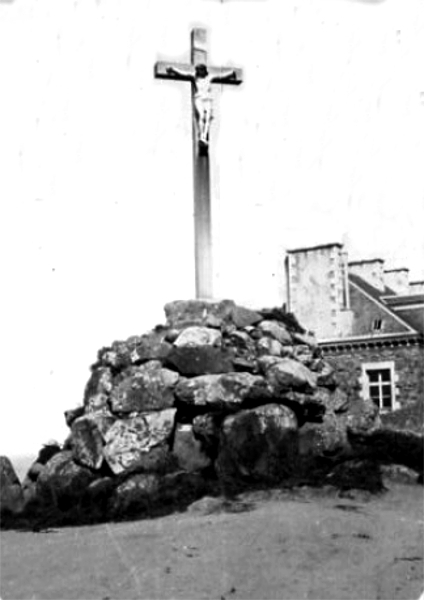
201	170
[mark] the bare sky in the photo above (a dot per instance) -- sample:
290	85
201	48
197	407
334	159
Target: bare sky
323	142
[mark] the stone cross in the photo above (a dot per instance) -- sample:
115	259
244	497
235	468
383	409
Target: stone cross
202	201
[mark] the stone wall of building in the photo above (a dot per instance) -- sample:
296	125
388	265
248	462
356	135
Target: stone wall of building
409	368
317	289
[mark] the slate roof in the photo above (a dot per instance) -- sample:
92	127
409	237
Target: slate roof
412	317
410	308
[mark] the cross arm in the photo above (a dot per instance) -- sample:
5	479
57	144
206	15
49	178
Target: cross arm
231	75
185	72
182	71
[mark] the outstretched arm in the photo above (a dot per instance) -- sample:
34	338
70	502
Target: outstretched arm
179	73
224	76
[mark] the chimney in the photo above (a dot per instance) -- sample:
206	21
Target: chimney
371	271
317	289
397	280
416	287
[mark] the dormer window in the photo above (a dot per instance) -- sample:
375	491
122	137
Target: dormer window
377	325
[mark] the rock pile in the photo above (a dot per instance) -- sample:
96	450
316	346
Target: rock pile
219	397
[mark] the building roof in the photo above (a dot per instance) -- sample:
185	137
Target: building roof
367	261
372	291
408	309
314	248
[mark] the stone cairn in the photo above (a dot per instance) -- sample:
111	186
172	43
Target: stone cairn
219	398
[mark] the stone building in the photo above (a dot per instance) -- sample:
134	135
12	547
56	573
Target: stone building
369	321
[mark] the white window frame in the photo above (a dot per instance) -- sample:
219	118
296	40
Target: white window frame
365	384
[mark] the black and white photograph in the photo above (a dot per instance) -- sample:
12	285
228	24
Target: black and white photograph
212	280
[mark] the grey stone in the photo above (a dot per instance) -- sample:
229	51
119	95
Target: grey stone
326	375
98	403
258	445
11	496
181	313
88	434
137	494
143	494
362	416
153	346
198	336
269	346
97	390
72	414
223	392
335	401
306	338
188	450
129	439
146	387
320	440
244	364
191	361
244	317
390	446
62	482
285	374
276	331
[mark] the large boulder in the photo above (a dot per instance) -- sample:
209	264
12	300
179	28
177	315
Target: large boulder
62	482
258	445
198	336
363	416
358	474
326	375
134	496
283	374
149	494
129	440
29	484
188	450
88	433
277	331
312	407
325	440
222	393
183	313
199	360
390	446
244	317
73	413
268	346
98	389
281	316
11	496
151	346
143	388
320	445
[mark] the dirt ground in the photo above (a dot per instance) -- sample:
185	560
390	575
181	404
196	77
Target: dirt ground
273	545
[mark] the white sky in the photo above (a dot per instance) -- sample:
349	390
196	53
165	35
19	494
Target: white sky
323	142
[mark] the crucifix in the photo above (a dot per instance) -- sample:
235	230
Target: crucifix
201	76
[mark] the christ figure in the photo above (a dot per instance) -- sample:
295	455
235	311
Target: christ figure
202	84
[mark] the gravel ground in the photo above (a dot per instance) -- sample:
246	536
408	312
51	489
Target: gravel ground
268	545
